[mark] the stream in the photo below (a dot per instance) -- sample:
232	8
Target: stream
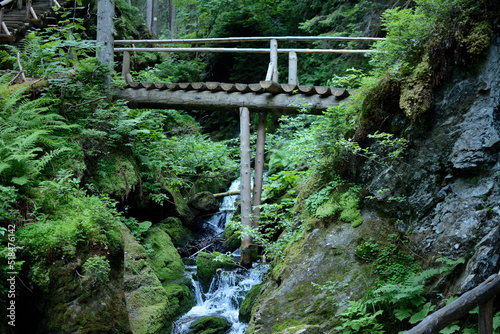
228	289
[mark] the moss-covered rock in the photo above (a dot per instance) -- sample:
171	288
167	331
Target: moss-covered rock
232	240
247	304
210	325
207	266
416	91
74	303
179	234
117	175
203	203
152	307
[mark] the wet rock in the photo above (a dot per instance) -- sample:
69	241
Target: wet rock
210	325
207	266
203	203
247	304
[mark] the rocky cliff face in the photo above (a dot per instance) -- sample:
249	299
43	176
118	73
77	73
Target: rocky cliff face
450	182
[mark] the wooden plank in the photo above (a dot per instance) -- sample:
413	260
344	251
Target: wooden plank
287	88
147	85
256	88
307	89
210	100
460	307
214	86
323	90
199	85
272	87
134	85
126	67
242	88
160	85
245	187
173	86
185	86
486	317
228	87
339	92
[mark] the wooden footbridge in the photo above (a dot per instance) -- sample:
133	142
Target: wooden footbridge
16	19
265	96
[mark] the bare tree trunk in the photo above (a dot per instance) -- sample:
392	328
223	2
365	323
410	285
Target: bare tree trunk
246	194
149	13
171	11
154	23
105	32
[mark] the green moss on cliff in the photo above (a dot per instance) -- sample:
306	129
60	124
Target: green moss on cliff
416	91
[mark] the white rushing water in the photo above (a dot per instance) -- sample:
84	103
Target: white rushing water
228	289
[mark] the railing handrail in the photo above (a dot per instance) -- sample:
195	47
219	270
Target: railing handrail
241	50
481	295
249	39
272	73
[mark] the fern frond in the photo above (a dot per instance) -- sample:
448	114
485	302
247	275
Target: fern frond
44	160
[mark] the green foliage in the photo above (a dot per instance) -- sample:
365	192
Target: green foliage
173	69
27	140
351	80
96	270
137	228
398	302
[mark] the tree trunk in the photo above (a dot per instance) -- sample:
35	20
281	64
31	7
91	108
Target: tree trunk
154	23
171	11
246	194
149	13
259	168
105	32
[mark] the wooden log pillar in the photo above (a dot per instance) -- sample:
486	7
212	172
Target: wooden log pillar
126	67
292	68
154	22
259	168
3	26
105	30
486	317
19	4
28	6
274	59
246	193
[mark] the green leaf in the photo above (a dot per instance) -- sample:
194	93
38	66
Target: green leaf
402	313
422	314
20	180
450	329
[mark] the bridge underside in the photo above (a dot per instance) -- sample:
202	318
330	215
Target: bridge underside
230	101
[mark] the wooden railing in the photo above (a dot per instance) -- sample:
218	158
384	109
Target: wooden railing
482	296
273	50
30	12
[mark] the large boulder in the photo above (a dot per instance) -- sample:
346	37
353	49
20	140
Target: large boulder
210	325
203	203
209	263
248	303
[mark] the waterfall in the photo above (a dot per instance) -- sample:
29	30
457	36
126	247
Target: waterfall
227	289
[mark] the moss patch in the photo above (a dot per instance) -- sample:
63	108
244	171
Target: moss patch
416	91
207	266
164	258
248	302
179	234
209	325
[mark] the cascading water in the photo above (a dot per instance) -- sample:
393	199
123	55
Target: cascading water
228	288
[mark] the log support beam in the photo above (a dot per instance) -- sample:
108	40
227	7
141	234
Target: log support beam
292	68
246	194
259	168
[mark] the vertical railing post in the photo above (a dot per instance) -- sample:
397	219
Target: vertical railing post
28	6
486	317
51	3
274	59
1	20
259	168
126	67
245	191
19	4
292	68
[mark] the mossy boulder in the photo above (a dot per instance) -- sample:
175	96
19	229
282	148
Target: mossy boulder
163	256
247	304
210	325
203	203
117	176
232	239
71	302
179	234
207	266
152	306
